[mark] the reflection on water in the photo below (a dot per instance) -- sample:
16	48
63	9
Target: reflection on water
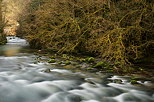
23	80
10	50
13	46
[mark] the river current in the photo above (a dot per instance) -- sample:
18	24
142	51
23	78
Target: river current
24	80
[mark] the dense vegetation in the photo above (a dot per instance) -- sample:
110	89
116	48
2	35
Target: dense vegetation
2	36
120	31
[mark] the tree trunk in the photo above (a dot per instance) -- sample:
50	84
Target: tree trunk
2	36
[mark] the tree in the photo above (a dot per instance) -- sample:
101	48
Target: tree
1	12
2	36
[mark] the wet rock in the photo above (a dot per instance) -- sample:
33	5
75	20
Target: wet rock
99	65
52	61
90	81
69	67
73	98
52	57
82	60
110	71
59	62
78	66
90	59
47	71
67	62
134	82
119	81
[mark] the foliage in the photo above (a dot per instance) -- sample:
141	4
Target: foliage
120	31
2	25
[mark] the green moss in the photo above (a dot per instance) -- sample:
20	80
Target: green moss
52	61
89	68
135	78
111	68
110	71
59	62
99	65
77	59
67	62
119	81
52	57
133	82
78	66
82	60
90	59
125	70
65	56
71	59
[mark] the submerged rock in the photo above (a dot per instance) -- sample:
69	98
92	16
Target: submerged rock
47	70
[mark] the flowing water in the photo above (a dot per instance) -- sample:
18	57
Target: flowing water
23	80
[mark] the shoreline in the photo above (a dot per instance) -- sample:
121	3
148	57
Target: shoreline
93	65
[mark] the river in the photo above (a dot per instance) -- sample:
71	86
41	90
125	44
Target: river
24	80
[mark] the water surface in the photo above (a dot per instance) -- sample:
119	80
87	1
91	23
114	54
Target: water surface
24	80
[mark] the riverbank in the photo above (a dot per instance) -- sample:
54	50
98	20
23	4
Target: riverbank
3	39
118	31
94	65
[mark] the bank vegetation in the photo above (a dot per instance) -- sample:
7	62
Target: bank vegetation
2	25
119	31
